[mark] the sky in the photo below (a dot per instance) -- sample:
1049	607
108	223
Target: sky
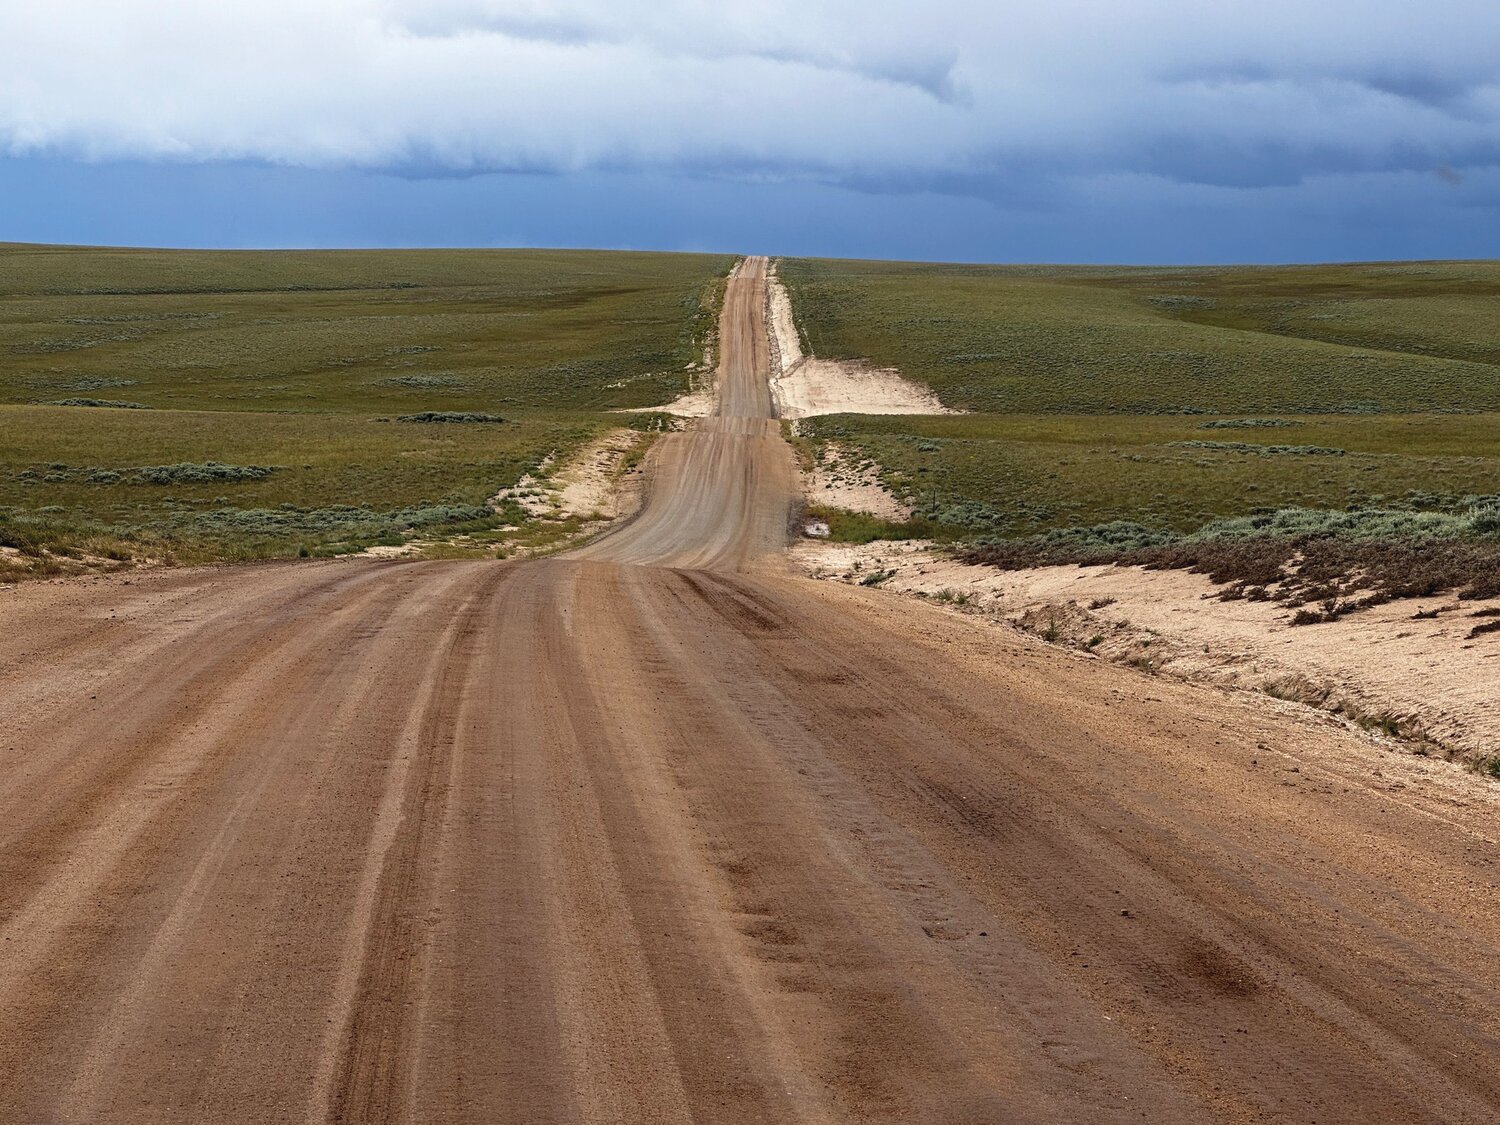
972	130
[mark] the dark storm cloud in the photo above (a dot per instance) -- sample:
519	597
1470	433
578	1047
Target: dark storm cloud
1032	106
823	89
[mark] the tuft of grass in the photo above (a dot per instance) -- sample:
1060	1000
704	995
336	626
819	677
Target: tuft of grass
860	527
652	422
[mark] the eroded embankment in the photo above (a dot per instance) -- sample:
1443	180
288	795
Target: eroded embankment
1412	671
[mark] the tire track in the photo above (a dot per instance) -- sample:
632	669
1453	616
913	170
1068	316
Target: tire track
83	762
76	927
371	1078
1260	1011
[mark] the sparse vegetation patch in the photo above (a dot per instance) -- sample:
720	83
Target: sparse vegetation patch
1262	450
1249	423
424	382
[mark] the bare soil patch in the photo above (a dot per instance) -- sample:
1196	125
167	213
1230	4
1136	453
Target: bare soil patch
590	485
841	477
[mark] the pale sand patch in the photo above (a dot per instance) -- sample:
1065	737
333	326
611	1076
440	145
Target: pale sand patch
842	478
825	386
697	403
531	493
786	342
1425	675
16	564
588	485
804	386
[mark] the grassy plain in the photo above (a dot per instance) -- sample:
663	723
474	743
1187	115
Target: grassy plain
304	363
1168	397
1017	475
1398	338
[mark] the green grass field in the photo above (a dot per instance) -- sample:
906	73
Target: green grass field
1168	398
1015	475
201	405
303	363
1366	339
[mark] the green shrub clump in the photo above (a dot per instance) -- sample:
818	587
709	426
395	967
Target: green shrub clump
208	472
450	416
114	404
345	520
1249	424
185	472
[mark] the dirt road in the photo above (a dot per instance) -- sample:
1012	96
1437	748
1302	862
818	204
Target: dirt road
719	494
576	840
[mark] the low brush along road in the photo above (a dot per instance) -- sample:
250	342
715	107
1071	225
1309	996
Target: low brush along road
660	832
